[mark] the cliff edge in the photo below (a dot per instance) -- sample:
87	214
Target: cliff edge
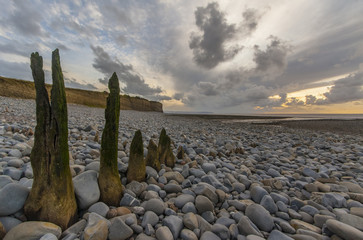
16	88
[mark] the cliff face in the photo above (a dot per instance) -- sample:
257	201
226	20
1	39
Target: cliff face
23	89
139	104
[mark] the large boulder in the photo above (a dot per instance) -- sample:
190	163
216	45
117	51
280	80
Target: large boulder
86	189
33	230
12	198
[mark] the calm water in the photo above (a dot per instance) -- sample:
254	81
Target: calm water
298	117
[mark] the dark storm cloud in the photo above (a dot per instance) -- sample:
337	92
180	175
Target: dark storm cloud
178	96
209	47
26	19
135	84
73	83
250	20
208	88
273	58
338	51
310	99
344	90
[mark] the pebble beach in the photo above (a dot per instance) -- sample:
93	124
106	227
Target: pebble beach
235	181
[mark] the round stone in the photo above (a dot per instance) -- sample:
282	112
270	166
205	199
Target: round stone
155	205
12	198
257	193
260	217
203	204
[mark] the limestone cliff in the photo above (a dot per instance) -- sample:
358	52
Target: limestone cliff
24	89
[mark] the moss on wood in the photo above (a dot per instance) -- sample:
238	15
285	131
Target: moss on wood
52	196
137	165
109	179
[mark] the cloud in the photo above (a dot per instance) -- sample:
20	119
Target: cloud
19	70
26	19
178	96
209	47
135	84
208	88
250	20
345	90
73	83
273	58
310	99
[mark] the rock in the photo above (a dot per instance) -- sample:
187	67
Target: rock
355	188
119	230
344	230
172	188
269	204
143	236
257	193
203	204
187	234
155	205
14	173
181	200
9	222
136	187
49	236
209	236
207	190
151	172
12	198
129	201
149	218
164	233
86	189
76	228
209	167
225	221
208	216
212	180
15	153
277	235
319	220
310	210
247	227
122	211
96	230
358	211
95	166
334	200
100	208
190	221
33	230
352	220
310	173
4	179
189	207
17	163
298	224
221	231
174	176
260	217
175	224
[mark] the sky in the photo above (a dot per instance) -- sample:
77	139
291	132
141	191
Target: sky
280	56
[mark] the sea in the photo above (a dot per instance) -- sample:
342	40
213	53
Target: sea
299	117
